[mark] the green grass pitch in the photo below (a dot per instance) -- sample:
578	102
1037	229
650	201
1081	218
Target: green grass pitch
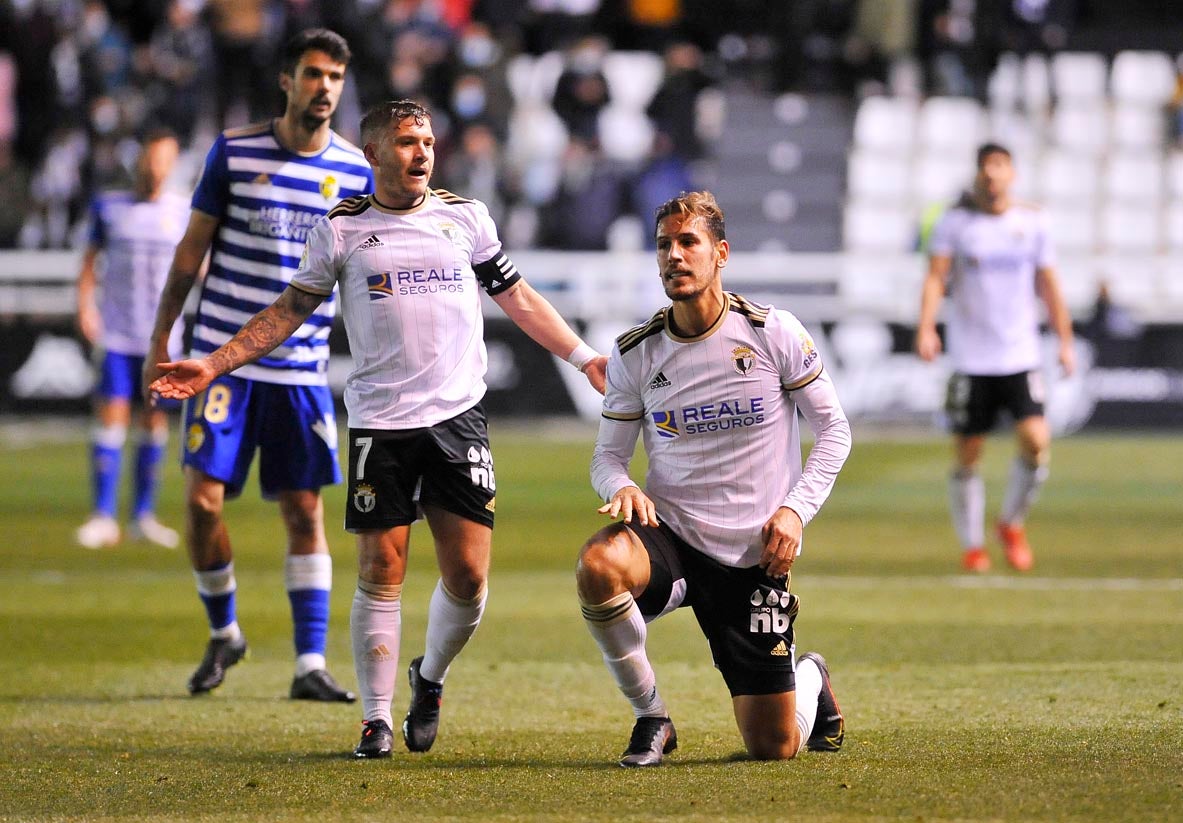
1052	696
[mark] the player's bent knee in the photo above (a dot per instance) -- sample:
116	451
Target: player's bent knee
770	745
605	556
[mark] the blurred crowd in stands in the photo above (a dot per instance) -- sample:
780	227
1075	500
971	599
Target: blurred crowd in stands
80	79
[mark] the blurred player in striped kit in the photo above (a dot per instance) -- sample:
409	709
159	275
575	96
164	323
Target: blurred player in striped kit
993	257
713	383
263	187
132	237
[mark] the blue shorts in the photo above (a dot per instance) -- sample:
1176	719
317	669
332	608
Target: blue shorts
293	427
120	379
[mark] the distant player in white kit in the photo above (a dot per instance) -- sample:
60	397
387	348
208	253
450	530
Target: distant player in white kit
713	383
409	261
993	257
132	236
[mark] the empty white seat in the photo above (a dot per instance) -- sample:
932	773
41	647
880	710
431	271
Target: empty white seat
878	177
1077	277
1018	131
878	228
1081	128
1005	86
1136	126
1134	177
1174	174
942	178
885	124
1037	83
536	134
1173	227
1068	177
1143	77
1079	76
633	77
1073	227
625	133
532	80
1130	228
951	124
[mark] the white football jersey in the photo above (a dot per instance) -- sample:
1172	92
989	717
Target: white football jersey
718	417
993	315
410	304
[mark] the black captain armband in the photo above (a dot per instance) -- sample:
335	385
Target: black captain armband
497	274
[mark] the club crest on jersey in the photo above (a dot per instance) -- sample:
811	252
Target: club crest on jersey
195	438
329	187
743	359
666	424
450	231
380	285
364	498
808	349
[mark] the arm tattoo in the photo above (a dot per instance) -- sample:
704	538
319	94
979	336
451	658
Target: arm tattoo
266	330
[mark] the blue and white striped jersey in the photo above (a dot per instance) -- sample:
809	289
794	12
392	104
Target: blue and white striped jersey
137	239
266	199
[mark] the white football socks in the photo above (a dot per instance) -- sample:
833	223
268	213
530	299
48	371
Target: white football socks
1022	488
809	687
967	504
451	621
375	625
619	630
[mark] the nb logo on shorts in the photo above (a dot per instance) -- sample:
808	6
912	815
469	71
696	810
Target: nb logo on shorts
364	498
773	611
481	470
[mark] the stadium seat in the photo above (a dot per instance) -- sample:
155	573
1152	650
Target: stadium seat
1134	178
1170	279
885	124
1132	280
1174	174
1004	88
878	177
950	124
1073	227
532	80
1130	229
1018	131
1078	283
1145	78
1173	225
1135	126
633	77
626	134
1079	77
1068	177
878	228
1037	83
942	178
1081	128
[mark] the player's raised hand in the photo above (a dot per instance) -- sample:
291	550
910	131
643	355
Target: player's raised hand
782	538
597	372
631	502
182	379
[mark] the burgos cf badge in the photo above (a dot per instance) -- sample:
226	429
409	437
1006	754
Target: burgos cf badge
743	359
329	187
363	498
666	423
450	231
808	350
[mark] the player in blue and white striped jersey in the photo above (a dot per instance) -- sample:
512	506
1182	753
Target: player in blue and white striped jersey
132	237
262	189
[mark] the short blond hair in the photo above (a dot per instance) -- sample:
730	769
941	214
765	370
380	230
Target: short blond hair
698	204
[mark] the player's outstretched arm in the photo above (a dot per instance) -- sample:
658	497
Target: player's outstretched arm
261	334
533	314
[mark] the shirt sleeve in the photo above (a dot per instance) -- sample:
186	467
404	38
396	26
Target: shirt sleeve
819	405
213	189
485	242
318	271
941	242
620	424
797	357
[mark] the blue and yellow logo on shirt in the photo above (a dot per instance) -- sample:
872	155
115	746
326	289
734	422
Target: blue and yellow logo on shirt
666	423
329	187
380	285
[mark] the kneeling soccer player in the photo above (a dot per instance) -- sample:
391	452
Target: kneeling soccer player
714	382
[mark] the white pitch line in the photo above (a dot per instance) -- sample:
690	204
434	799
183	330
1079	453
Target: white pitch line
998	581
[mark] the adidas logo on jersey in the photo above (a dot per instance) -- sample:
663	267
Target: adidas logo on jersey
780	650
371	243
660	381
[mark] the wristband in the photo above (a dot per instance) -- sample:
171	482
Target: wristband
581	355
